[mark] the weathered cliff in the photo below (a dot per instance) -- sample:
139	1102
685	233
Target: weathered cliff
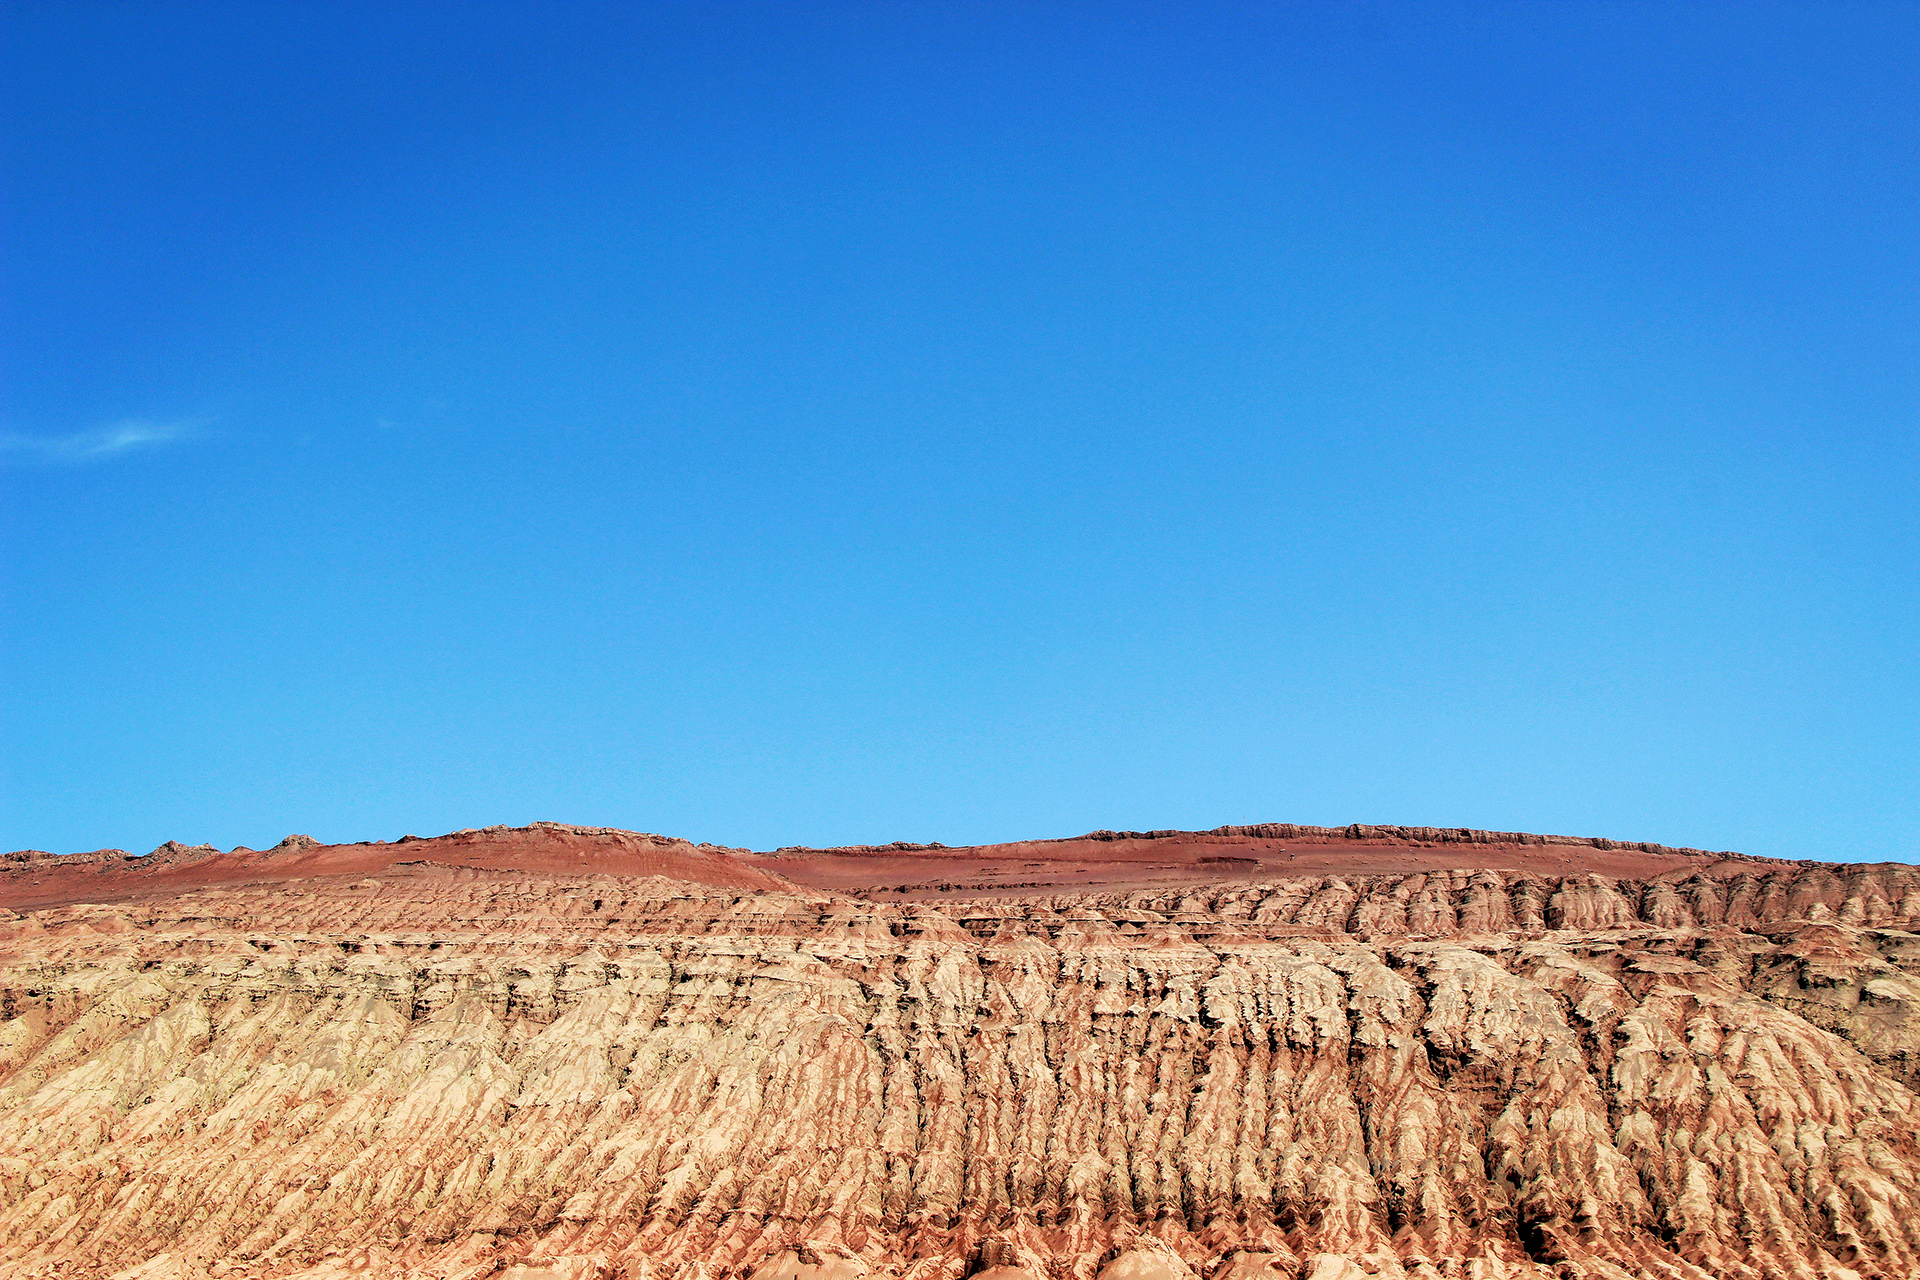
469	1070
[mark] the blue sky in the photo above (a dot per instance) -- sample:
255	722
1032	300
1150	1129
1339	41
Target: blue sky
834	423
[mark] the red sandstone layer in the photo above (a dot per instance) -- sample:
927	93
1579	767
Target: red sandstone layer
32	877
1102	860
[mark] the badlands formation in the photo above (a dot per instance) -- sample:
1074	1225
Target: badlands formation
1259	1053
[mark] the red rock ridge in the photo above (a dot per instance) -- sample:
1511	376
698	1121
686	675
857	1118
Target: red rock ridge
34	877
1118	860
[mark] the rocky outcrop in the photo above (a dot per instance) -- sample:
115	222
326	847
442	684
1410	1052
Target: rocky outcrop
173	852
42	859
1359	831
438	1070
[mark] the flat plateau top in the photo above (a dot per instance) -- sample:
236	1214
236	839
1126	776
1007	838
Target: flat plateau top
1040	868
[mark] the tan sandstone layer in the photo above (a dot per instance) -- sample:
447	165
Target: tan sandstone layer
559	1053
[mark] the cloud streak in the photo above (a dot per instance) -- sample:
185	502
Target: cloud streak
117	439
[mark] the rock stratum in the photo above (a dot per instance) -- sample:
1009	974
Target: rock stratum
1258	1053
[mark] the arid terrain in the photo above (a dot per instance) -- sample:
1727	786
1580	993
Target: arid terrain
1258	1053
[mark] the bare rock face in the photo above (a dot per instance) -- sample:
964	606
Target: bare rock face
533	1053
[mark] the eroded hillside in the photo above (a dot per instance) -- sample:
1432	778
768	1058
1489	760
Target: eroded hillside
451	1067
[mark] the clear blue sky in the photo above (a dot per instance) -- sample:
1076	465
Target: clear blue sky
832	423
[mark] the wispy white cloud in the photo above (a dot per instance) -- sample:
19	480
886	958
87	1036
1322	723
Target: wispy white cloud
129	435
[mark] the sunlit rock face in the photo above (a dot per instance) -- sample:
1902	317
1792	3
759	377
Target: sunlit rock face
567	1072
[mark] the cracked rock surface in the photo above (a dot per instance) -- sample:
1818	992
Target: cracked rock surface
581	1072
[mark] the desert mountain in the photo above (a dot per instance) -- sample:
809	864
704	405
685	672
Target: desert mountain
1255	1053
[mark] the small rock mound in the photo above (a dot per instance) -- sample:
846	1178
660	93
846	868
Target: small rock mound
173	851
